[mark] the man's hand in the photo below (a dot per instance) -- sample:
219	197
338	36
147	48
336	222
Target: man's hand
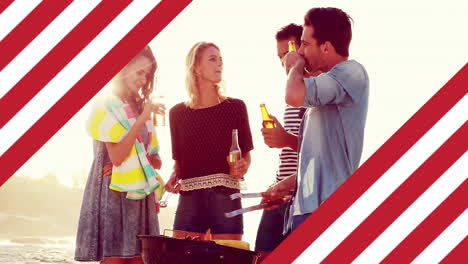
278	137
293	60
280	190
275	192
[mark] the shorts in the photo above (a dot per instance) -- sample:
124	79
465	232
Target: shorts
202	209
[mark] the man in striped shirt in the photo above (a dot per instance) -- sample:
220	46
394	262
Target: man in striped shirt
270	230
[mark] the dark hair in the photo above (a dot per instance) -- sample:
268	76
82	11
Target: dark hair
147	89
330	24
288	31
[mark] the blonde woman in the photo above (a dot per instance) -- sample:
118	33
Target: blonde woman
201	132
119	202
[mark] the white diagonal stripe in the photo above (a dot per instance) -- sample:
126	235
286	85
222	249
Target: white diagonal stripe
445	242
386	184
416	213
44	43
14	14
73	72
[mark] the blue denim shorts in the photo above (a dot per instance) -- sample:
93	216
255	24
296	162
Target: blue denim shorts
201	209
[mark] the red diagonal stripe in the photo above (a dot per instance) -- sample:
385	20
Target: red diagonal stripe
88	86
59	57
401	199
4	5
431	227
29	28
372	169
459	254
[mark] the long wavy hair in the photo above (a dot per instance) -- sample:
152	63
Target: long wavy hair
148	88
192	81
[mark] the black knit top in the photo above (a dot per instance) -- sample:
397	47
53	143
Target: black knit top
201	138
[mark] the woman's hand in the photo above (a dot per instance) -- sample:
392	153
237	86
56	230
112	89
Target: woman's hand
107	169
156	108
173	180
239	168
119	151
155	161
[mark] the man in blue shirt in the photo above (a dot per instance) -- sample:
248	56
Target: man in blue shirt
332	131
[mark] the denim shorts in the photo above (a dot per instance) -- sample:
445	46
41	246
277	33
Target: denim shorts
201	209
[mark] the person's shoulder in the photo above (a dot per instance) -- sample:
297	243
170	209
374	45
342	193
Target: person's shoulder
350	67
178	108
107	101
349	71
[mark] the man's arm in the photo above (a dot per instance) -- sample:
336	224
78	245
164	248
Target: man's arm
295	87
314	91
324	90
280	189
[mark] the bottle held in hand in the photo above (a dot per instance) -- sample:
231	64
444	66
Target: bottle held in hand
291	46
235	153
267	121
159	120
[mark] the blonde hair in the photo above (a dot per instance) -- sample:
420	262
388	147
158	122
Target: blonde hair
191	79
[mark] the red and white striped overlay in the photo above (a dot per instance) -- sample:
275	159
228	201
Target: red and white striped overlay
406	204
57	55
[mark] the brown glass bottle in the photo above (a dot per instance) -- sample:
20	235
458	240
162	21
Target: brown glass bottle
267	121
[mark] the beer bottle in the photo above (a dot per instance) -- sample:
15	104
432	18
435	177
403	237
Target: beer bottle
267	121
291	46
159	119
235	153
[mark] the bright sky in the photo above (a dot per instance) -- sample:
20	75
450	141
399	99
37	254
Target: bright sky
409	48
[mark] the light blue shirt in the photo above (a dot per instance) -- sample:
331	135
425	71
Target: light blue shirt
331	134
